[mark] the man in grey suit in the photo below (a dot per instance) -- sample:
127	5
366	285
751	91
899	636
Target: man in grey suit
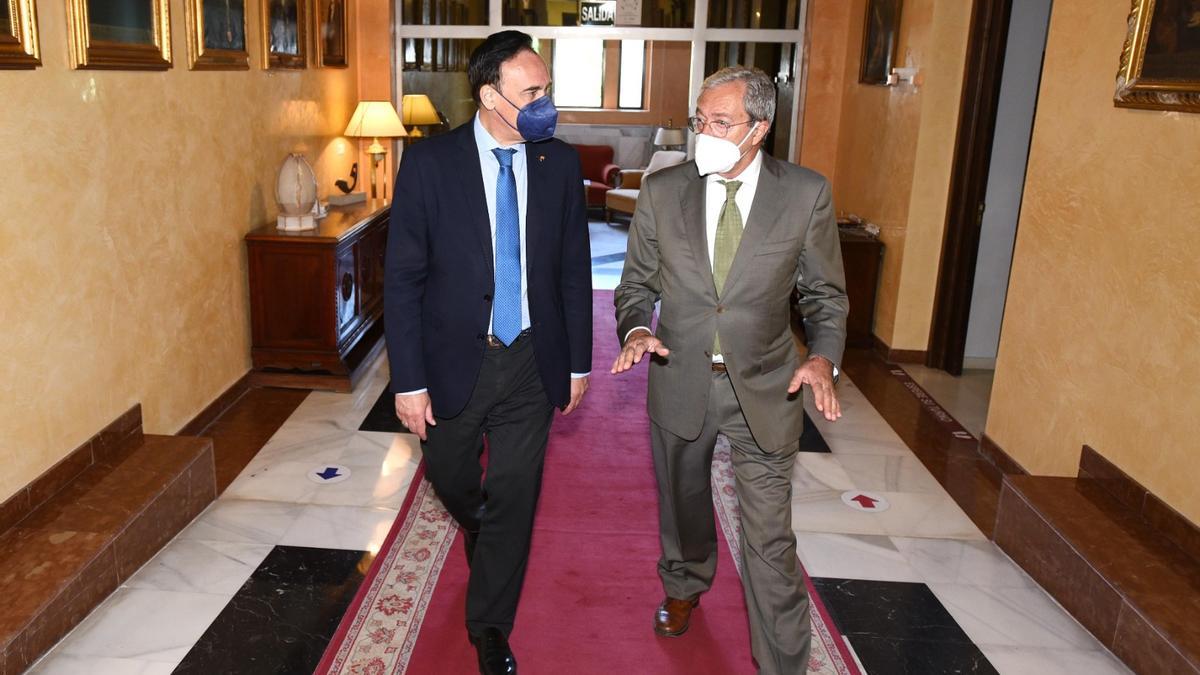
722	359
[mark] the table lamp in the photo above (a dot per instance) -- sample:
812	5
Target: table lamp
668	137
375	120
417	110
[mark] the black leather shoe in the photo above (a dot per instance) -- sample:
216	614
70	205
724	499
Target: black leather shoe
469	540
495	658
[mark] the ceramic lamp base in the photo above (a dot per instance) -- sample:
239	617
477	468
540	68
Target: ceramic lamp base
295	223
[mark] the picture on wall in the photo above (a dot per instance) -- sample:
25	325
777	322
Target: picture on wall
120	34
1160	65
285	36
217	35
331	33
881	31
18	35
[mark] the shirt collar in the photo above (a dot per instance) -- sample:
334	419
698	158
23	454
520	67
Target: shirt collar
486	143
748	175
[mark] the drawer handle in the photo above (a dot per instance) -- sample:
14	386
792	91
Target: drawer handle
347	286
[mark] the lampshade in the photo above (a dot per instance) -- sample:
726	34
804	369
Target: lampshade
669	136
375	119
418	109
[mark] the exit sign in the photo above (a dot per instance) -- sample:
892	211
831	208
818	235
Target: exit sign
597	13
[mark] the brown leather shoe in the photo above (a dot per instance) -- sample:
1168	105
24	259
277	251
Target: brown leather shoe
673	615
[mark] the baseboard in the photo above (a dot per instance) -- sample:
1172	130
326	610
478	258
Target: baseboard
979	363
897	355
997	457
201	422
1154	511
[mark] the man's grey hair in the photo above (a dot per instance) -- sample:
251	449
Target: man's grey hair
759	98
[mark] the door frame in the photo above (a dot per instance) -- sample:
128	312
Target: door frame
986	46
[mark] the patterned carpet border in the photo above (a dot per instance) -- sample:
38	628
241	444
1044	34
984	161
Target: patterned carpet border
830	656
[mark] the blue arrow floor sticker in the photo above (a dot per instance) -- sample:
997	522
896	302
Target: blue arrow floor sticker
328	474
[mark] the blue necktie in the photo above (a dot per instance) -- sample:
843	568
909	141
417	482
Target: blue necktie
506	312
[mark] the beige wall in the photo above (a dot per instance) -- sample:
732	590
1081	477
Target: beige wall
1103	312
125	199
894	146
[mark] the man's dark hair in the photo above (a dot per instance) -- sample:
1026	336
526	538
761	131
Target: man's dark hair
484	66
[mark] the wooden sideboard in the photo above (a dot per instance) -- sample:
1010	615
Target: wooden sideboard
316	299
862	255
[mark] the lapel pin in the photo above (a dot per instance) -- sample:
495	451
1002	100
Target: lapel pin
541	158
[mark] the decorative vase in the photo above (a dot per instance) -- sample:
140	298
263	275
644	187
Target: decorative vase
296	193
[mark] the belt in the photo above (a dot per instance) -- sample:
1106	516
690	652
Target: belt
493	342
719	367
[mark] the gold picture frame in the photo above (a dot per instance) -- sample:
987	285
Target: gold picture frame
285	34
19	44
133	35
216	32
332	29
1160	64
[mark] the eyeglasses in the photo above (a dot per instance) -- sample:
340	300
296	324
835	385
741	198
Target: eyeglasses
717	128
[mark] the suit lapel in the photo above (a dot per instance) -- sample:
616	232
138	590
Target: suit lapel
535	209
764	211
695	223
476	202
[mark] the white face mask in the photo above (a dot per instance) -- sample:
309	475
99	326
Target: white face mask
717	155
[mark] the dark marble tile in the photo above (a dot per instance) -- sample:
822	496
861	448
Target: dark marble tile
283	617
382	416
202	484
94	583
125	431
14	509
152	527
59	476
38	565
1146	650
886	656
1104	474
1173	525
888	609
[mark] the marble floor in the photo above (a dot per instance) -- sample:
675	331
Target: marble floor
257	582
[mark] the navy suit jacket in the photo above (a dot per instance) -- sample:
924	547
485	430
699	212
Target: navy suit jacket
439	277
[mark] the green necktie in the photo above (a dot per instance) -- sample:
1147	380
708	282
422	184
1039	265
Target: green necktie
729	235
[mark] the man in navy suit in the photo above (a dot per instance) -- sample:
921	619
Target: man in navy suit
488	313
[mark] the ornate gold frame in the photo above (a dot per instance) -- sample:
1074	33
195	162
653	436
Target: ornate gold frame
88	53
1135	91
20	48
320	42
200	58
272	60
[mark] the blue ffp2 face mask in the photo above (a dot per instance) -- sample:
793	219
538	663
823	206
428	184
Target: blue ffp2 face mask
536	121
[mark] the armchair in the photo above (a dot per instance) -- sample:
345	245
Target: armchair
599	172
623	198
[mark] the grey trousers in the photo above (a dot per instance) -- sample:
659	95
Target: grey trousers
780	635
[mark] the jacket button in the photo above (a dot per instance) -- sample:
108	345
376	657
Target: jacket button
707	353
720	309
487	298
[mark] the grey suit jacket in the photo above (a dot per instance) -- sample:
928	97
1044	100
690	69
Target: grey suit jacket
790	241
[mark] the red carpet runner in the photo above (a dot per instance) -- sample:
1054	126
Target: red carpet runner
591	587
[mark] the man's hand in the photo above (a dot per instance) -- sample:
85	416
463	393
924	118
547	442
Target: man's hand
817	372
415	411
636	346
579	385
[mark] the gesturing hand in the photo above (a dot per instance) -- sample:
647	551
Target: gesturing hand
817	372
638	343
415	411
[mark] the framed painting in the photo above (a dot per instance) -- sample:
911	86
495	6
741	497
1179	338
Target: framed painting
332	30
119	34
1160	65
217	35
285	33
881	31
19	46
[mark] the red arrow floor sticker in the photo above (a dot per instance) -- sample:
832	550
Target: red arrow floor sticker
865	501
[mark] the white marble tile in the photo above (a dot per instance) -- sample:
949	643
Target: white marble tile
819	472
852	557
824	512
145	625
977	563
56	663
342	527
1027	660
1015	617
240	520
315	441
889	473
926	515
217	567
375	447
381	484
